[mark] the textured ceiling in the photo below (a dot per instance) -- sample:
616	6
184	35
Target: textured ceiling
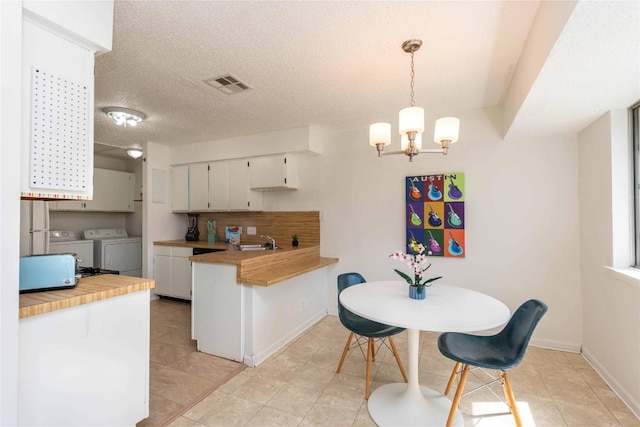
339	64
325	63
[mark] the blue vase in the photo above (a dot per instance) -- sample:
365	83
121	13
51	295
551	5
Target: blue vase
413	292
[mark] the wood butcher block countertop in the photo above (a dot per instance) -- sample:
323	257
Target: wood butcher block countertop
88	289
261	268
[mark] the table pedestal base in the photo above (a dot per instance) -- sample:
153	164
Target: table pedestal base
399	405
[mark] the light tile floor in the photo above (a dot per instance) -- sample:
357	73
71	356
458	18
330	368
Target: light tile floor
298	387
179	375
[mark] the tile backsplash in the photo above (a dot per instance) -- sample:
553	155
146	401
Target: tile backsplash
279	225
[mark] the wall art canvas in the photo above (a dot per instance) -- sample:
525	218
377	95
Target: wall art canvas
435	213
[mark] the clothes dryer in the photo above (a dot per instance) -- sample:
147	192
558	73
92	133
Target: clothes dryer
114	249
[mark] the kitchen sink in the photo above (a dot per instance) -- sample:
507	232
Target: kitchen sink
255	247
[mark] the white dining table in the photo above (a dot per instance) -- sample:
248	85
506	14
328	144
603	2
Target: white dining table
445	309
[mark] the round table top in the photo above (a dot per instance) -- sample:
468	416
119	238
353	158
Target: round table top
445	309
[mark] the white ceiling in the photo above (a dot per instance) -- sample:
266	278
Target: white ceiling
334	64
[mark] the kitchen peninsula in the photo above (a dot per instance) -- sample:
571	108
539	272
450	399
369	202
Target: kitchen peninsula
85	351
248	304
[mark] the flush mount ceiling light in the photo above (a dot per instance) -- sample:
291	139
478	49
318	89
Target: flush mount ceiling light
135	152
411	124
124	116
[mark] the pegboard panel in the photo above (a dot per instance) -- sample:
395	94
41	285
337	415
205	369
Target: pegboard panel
59	132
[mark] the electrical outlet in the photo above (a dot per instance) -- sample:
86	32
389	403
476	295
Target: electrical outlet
251	230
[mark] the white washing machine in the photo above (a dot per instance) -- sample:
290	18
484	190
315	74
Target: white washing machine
113	249
63	242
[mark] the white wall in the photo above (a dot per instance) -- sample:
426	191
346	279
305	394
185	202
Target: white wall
610	300
10	136
522	239
158	222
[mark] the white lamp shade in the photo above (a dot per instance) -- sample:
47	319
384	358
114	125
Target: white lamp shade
404	141
134	152
411	119
447	128
380	133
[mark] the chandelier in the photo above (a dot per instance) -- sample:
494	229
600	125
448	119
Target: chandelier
411	124
124	116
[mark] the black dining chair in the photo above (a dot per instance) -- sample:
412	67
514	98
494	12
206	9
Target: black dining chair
361	327
501	352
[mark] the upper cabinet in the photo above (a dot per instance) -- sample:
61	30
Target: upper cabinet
219	185
278	172
59	42
241	197
121	191
198	187
180	188
114	191
216	186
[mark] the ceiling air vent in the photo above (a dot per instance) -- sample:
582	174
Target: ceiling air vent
228	84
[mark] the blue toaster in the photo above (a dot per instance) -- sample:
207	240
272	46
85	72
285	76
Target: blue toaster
47	272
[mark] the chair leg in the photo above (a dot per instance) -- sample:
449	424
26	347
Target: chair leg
397	356
344	352
508	391
367	386
458	395
452	379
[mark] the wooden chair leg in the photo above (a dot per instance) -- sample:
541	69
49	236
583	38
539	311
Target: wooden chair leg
452	378
458	395
344	352
508	391
397	356
367	386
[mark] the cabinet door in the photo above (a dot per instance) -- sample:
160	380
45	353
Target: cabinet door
199	187
121	187
69	205
101	184
162	274
219	185
267	172
239	184
180	188
181	277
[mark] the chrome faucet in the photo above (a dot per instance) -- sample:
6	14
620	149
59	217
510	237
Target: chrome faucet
271	241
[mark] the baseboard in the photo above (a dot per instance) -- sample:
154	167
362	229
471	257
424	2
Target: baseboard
556	345
614	385
256	359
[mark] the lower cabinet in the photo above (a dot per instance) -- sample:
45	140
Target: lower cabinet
172	271
86	365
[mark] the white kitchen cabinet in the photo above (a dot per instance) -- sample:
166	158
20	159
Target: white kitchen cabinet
241	197
162	270
180	188
113	192
247	323
198	187
215	186
101	182
86	365
59	43
181	273
172	271
274	173
219	185
121	191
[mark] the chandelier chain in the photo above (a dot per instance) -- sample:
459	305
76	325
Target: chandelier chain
411	101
